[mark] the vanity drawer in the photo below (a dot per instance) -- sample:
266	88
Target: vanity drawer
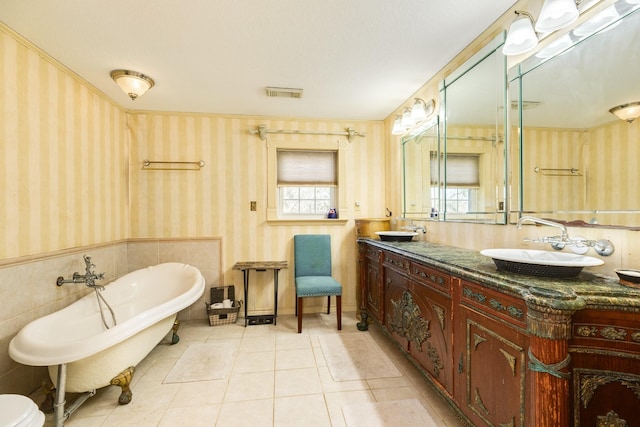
433	278
397	262
494	303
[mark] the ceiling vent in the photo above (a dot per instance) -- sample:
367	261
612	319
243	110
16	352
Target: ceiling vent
284	92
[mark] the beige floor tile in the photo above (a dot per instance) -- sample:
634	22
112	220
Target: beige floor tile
295	359
258	343
292	341
200	393
295	382
248	413
331	386
279	379
308	411
260	361
195	416
397	393
336	400
250	386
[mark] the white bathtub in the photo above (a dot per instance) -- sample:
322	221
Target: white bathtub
145	303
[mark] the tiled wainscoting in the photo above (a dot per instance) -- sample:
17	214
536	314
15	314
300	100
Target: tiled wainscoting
28	288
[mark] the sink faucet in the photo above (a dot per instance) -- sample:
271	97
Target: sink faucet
415	228
88	278
578	245
565	233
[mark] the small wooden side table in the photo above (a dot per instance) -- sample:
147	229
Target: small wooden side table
246	267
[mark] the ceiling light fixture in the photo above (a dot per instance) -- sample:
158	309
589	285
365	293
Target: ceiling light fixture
628	112
132	83
521	37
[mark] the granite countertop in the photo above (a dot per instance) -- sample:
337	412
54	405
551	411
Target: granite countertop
587	290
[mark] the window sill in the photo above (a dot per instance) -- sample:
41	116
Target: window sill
324	221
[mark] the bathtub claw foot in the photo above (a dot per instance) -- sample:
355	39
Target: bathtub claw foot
175	338
49	391
123	380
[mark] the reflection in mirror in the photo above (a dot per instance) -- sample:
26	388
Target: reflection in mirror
420	171
473	163
578	161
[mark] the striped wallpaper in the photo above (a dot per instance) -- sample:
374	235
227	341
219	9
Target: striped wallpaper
63	154
215	201
605	157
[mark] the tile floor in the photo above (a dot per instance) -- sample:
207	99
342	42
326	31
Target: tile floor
279	378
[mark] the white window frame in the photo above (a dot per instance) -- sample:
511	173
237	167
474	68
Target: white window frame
273	197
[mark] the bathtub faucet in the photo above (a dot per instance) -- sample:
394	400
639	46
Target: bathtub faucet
88	278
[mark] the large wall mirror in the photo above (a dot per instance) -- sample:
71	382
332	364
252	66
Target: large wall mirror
473	167
579	162
420	172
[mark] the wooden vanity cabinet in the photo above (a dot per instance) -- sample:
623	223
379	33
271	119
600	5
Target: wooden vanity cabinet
491	357
516	353
418	316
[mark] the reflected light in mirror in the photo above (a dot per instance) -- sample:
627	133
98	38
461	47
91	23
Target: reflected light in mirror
597	22
521	37
556	47
556	14
628	112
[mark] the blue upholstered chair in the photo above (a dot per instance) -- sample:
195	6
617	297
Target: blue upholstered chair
312	262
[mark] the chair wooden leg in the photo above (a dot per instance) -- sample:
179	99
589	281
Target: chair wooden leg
299	310
339	311
328	304
296	304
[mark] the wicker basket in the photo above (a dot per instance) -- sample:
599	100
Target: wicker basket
223	316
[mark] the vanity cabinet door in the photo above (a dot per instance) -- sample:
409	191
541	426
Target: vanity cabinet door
605	368
395	292
490	379
431	333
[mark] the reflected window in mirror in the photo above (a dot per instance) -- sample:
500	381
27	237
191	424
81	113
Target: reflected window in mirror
474	137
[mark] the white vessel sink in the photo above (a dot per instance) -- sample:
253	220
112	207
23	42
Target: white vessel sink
540	263
396	236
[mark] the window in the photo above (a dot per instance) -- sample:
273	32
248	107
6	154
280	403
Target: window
306	183
461	184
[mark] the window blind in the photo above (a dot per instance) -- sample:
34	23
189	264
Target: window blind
463	170
301	167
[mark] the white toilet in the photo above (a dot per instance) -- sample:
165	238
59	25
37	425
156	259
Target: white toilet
19	411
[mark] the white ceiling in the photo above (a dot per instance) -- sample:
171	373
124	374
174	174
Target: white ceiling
355	59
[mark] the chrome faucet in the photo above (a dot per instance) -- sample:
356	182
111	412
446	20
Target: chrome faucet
415	228
579	245
564	237
88	278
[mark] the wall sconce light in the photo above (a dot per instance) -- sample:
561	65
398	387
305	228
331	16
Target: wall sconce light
407	120
421	110
398	129
411	116
556	14
132	83
521	37
628	112
523	32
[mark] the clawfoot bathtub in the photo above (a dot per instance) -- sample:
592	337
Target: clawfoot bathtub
83	354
